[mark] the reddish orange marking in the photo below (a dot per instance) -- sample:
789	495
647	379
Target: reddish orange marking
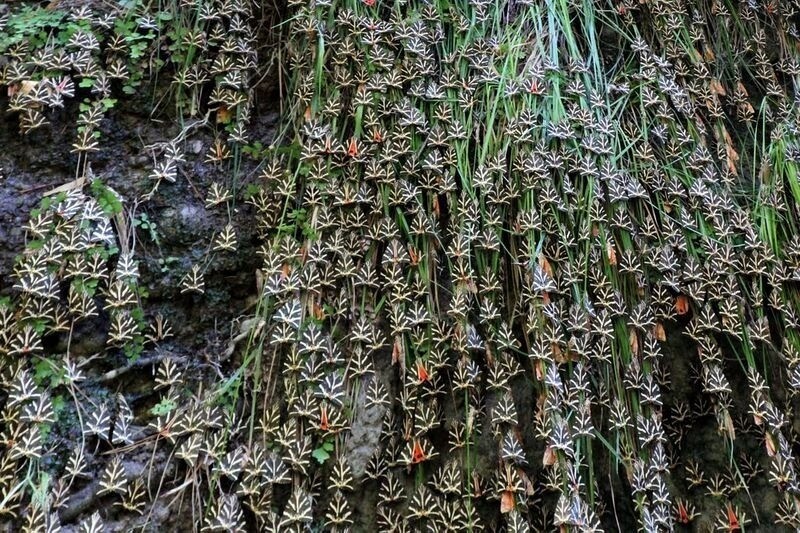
352	149
418	454
422	372
323	418
682	304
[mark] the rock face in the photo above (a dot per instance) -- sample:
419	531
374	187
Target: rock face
504	266
363	441
169	230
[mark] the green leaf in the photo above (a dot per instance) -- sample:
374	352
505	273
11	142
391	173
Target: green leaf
164	407
58	403
109	202
46	373
251	190
320	454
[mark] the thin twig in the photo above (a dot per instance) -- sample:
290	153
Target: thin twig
145	361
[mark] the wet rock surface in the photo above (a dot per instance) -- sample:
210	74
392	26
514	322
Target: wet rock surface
543	447
180	234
